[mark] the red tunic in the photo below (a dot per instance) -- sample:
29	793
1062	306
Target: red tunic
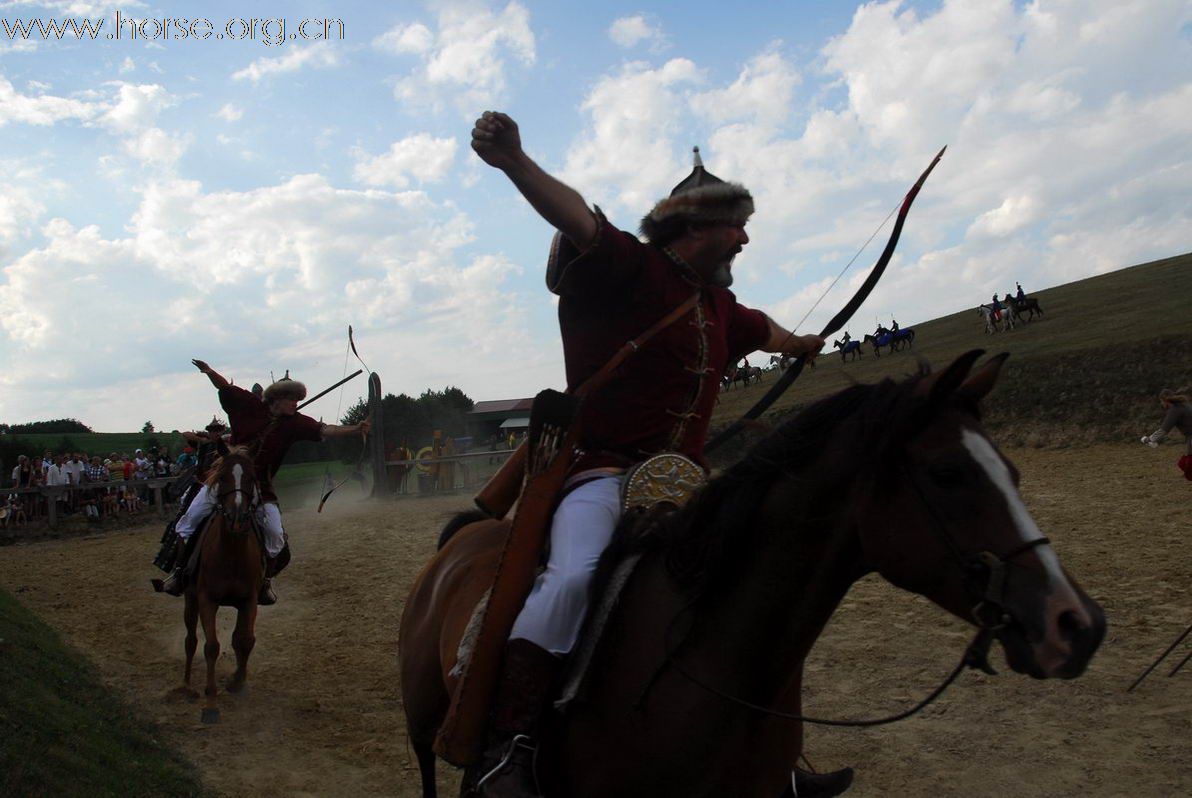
661	398
251	422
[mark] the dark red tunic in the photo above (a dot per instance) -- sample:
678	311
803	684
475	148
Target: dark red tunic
267	435
661	398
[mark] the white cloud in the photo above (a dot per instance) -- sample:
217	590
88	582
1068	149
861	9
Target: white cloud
230	112
22	202
155	147
235	272
42	109
630	31
137	106
1009	217
127	65
405	39
465	64
316	56
18	46
628	154
420	156
763	91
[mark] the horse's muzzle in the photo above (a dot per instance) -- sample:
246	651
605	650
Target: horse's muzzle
1062	647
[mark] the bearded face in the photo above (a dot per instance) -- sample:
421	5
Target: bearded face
721	244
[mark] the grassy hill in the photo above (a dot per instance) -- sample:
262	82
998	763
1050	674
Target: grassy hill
62	733
1088	371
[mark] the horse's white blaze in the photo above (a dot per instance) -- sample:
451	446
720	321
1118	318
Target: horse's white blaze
237	473
1053	650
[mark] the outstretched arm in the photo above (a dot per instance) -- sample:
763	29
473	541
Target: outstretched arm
496	139
782	341
216	380
343	430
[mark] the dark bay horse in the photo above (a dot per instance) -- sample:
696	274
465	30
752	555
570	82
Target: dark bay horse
851	348
880	340
904	337
893	478
231	569
1024	305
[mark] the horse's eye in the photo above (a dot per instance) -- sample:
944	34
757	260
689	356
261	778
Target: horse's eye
946	475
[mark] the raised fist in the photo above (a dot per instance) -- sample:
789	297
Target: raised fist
496	139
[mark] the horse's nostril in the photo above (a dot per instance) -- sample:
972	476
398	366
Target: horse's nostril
1070	625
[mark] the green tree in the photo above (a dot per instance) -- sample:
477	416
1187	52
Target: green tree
41	427
148	428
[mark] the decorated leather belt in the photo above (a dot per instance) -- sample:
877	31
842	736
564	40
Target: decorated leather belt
664	478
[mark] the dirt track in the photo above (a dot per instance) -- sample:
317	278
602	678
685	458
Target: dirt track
322	717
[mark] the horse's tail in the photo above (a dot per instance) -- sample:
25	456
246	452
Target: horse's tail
459	522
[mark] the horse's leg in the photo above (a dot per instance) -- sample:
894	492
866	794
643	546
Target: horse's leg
190	615
426	767
243	640
207	611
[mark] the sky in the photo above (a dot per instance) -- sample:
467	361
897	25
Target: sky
204	185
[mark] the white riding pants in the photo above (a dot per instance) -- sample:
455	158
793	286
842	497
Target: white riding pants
205	502
580	531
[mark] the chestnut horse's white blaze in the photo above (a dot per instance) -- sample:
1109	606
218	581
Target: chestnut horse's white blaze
1053	650
237	473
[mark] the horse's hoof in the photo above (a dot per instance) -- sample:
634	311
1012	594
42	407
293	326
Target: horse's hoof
210	715
235	685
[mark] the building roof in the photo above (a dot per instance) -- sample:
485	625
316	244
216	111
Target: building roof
502	406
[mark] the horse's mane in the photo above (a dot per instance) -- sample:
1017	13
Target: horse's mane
713	531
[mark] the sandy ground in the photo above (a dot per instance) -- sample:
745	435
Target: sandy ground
322	714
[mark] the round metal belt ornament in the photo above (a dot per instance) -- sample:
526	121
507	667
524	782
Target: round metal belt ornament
667	477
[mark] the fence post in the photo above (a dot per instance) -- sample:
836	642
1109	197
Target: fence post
52	506
377	442
157	503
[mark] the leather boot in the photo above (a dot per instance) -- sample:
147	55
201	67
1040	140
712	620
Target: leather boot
820	785
507	769
175	583
266	595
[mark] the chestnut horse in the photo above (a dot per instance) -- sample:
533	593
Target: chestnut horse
231	569
893	478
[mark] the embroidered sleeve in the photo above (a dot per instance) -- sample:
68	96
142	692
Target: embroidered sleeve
613	258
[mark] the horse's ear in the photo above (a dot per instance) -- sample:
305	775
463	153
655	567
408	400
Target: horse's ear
937	386
221	447
980	382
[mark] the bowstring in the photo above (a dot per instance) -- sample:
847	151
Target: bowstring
847	266
327	480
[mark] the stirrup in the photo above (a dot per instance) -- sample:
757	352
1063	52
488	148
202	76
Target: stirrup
519	741
175	583
805	784
266	597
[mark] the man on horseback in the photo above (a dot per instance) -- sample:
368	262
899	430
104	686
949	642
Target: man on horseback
267	426
612	287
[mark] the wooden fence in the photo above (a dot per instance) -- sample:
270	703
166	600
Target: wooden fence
60	493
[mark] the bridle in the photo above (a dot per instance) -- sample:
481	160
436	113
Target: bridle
230	516
985	575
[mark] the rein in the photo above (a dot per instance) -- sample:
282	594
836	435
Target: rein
989	615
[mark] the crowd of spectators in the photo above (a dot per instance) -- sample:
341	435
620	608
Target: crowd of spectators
92	478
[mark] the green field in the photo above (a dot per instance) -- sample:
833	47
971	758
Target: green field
102	443
62	733
1088	371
